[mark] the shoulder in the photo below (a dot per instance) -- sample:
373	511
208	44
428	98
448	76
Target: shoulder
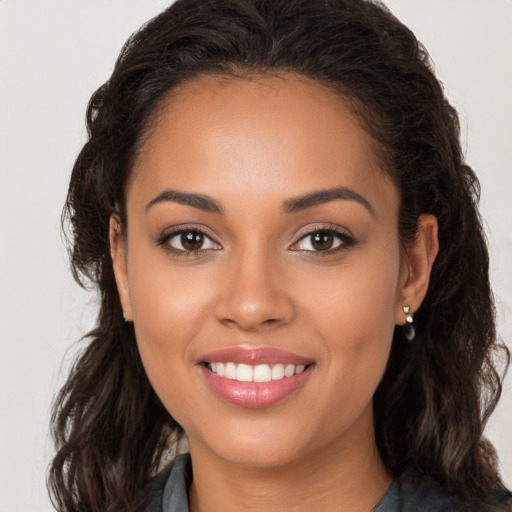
168	490
411	493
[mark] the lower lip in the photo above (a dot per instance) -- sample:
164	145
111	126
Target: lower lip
255	394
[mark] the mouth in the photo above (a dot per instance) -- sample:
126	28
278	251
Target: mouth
255	378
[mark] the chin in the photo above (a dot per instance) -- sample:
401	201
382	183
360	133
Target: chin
262	444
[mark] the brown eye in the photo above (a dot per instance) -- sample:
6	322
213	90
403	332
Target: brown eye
322	241
192	241
189	242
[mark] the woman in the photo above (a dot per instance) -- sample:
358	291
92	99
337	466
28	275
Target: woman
274	206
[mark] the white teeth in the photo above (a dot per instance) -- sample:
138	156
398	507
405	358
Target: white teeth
244	373
277	372
289	370
230	371
299	369
259	373
262	373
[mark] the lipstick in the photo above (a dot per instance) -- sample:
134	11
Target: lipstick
254	378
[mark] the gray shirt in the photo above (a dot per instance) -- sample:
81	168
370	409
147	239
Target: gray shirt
168	492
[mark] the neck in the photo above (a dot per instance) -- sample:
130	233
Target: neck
340	476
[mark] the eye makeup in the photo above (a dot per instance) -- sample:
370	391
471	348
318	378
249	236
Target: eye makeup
320	240
187	241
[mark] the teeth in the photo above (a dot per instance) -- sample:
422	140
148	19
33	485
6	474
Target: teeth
277	372
260	373
230	371
289	370
244	373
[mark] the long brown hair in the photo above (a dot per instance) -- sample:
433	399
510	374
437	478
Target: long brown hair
432	405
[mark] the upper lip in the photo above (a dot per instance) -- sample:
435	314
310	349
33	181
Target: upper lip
254	356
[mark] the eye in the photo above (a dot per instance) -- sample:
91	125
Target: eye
323	240
188	241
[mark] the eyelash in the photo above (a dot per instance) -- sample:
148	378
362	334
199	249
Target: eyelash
163	241
346	241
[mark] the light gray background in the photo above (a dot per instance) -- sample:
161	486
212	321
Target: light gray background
53	54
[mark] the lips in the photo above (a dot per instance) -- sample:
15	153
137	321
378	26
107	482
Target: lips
255	378
252	356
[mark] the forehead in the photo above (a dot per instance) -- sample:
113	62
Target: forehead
273	135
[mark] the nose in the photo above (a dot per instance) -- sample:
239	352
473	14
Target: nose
253	294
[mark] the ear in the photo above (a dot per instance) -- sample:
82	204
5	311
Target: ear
118	254
416	267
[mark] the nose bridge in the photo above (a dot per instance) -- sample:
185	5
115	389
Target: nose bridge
253	294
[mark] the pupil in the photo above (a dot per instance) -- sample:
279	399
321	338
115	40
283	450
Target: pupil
322	241
192	241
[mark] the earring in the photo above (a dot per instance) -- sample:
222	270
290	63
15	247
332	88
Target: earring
408	328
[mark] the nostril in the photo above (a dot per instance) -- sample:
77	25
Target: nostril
249	311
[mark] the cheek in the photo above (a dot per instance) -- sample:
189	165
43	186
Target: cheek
353	313
169	309
167	299
358	295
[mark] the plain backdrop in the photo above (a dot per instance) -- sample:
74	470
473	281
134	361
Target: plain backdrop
53	54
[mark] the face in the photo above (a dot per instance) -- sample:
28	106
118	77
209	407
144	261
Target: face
262	268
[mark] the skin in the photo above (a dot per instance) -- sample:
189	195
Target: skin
252	145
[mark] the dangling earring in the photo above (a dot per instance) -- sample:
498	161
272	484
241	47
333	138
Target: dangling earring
408	328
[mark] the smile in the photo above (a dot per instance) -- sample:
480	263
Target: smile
255	378
259	373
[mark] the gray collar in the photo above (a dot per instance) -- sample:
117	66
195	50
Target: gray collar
168	492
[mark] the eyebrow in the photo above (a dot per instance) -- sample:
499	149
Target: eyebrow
318	197
296	204
198	201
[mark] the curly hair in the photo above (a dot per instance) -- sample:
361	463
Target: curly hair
109	427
